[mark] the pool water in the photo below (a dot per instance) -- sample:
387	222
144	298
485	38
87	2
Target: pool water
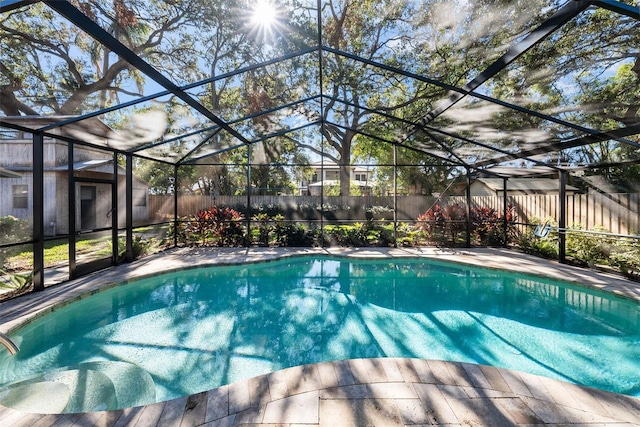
182	333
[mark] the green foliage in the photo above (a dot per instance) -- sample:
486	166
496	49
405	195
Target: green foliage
263	230
276	231
409	235
139	247
220	225
298	235
626	256
531	244
378	212
16	281
587	248
487	225
13	229
351	235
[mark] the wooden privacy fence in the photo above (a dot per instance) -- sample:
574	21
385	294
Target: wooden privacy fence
617	213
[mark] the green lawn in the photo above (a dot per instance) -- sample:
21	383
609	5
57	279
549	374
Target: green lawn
57	252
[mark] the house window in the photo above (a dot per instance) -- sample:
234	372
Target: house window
9	134
139	197
20	197
361	177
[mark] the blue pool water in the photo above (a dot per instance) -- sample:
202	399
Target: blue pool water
194	330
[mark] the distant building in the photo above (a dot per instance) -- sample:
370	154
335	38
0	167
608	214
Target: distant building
93	168
327	174
516	187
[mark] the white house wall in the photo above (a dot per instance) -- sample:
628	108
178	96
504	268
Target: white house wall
477	188
6	196
61	225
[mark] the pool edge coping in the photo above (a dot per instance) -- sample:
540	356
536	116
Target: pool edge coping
608	282
269	255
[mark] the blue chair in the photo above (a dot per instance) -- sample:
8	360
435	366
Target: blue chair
542	230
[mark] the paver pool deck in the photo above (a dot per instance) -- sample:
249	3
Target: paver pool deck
360	392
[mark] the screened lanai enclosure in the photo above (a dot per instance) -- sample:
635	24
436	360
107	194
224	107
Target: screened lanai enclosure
129	126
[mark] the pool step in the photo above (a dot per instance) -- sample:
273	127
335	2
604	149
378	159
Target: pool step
86	387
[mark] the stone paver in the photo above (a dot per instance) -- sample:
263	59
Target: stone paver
398	402
376	392
297	409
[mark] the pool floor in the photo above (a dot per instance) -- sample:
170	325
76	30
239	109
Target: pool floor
370	391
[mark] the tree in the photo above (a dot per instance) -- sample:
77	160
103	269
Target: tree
365	29
54	68
49	67
580	76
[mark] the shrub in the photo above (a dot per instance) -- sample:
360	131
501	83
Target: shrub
14	229
16	281
264	228
587	248
139	247
281	230
487	226
407	235
300	236
531	244
432	220
626	256
222	226
546	248
483	225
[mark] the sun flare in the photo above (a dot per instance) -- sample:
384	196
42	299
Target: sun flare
264	14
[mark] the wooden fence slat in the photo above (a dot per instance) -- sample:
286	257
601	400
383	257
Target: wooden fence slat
616	213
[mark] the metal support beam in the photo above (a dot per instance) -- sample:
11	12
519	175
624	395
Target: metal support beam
71	205
38	211
619	7
176	225
322	115
129	206
83	22
114	211
9	5
557	20
248	187
616	134
562	220
468	192
505	229
395	196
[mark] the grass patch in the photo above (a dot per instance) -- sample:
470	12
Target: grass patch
57	252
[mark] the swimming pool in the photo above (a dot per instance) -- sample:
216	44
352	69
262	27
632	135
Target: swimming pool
193	330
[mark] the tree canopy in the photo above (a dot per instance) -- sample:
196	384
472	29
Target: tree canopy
454	85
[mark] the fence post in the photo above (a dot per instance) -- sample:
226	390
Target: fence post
504	212
468	208
395	196
249	210
562	220
129	204
38	211
175	205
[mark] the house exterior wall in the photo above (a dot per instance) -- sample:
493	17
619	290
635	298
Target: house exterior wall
61	225
17	155
6	197
477	188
